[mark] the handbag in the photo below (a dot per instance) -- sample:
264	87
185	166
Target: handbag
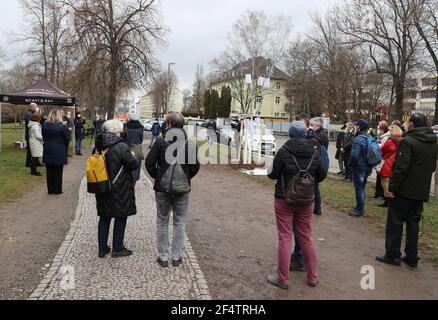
138	150
380	166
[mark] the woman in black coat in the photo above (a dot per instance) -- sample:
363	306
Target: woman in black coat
119	203
134	136
56	138
79	124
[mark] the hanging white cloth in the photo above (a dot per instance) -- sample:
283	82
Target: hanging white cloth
248	79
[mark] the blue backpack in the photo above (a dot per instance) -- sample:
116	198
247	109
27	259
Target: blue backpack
324	157
374	154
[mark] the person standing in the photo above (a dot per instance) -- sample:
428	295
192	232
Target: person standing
79	124
119	203
360	167
134	137
36	142
33	107
382	137
68	122
157	163
339	152
409	188
55	137
156	129
296	155
98	129
319	137
389	153
348	144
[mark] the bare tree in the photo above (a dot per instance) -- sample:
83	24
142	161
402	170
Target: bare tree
119	36
385	29
199	87
255	44
163	85
426	22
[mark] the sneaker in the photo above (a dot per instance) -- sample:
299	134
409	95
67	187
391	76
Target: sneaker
102	254
409	262
275	282
317	212
37	174
177	263
389	260
313	284
354	213
121	254
162	263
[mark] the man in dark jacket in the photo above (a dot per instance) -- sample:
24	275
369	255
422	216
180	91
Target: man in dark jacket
409	188
155	130
283	169
361	170
79	124
319	137
339	153
157	163
119	203
347	146
29	113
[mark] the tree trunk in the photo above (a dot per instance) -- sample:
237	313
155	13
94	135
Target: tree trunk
397	113
435	119
113	90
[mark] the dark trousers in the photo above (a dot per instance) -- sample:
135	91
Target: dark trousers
34	165
348	173
28	155
54	179
297	255
379	188
403	210
317	198
118	234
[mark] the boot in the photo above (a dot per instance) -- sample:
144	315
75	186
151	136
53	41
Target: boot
385	204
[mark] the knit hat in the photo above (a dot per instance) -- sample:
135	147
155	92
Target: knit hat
298	130
134	117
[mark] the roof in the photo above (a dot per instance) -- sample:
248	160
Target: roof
43	92
264	67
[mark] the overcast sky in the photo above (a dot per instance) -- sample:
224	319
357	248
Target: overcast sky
199	28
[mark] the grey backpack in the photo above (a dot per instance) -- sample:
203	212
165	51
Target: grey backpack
174	180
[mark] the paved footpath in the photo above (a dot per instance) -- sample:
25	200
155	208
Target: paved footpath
137	277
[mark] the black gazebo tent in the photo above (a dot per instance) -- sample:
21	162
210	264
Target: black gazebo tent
41	92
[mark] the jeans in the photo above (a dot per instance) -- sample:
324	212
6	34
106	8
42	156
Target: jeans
317	198
403	210
300	217
118	234
78	145
179	206
297	255
360	179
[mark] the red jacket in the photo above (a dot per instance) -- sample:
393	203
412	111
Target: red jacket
389	153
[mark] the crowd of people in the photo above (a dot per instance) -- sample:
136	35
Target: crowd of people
408	153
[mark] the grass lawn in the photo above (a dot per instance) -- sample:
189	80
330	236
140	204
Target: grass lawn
340	195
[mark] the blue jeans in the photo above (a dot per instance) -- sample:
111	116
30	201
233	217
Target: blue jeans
317	198
118	235
360	179
78	145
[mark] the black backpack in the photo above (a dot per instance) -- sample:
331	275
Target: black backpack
301	187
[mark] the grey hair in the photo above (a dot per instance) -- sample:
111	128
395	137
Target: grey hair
176	120
317	120
113	126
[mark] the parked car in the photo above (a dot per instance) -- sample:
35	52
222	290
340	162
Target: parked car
267	144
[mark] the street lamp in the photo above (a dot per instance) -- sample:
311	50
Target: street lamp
168	86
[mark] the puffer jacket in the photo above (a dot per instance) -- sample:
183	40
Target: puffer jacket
389	152
415	163
120	201
36	141
285	166
320	137
156	163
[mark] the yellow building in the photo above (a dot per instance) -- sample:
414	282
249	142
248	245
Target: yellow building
272	100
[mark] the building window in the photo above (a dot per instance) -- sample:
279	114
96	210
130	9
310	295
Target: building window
277	115
259	99
277	100
283	115
278	86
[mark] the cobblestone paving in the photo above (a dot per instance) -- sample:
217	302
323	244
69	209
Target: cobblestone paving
137	277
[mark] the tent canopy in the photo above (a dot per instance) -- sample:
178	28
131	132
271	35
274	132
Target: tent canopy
41	92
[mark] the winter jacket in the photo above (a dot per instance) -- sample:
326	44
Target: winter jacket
284	167
98	126
157	165
120	201
389	153
358	157
36	141
348	141
134	133
414	165
340	143
27	117
79	128
320	136
55	137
